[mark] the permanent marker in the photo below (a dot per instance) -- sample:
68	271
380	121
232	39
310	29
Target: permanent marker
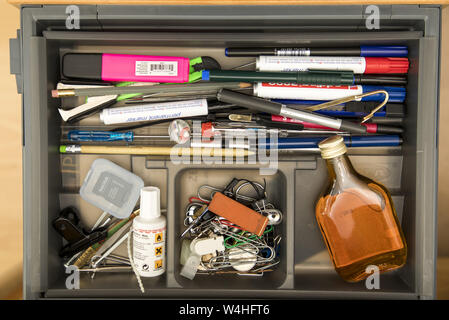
293	91
362	51
358	65
312	77
155	111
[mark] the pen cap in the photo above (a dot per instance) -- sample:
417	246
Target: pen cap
82	66
150	205
386	65
395	110
383	51
391	109
396	94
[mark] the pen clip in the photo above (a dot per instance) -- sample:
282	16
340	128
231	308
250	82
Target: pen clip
351	98
330	71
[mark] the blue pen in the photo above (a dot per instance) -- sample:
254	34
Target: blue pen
350	114
350	141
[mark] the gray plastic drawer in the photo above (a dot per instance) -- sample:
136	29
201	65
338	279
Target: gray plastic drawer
51	181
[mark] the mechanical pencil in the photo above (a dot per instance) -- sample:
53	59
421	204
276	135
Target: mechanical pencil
266	106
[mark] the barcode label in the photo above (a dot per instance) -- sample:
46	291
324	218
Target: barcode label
156	68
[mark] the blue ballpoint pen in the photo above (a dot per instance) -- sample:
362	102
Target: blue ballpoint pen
350	141
395	95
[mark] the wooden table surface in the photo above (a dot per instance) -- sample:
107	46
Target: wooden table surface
228	2
11	159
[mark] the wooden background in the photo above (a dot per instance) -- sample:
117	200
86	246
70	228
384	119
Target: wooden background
11	158
227	2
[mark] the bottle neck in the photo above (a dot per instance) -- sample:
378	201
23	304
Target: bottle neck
341	170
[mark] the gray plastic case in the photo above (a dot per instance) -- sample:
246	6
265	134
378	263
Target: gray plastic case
111	188
51	181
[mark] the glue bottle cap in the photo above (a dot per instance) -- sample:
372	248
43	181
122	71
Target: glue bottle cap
150	206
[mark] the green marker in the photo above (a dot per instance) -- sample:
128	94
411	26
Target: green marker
316	77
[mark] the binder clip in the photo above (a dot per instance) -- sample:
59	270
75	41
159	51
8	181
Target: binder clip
353	98
68	225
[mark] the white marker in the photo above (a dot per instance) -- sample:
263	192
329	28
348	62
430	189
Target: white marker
358	65
155	111
304	92
296	63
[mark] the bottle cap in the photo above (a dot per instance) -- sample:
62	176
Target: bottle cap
150	205
332	147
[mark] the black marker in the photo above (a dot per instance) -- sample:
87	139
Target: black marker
362	51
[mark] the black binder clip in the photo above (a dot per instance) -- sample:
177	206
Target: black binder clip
69	227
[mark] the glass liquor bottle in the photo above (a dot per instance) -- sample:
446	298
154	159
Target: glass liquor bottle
357	218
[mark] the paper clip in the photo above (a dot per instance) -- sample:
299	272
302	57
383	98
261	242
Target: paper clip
351	98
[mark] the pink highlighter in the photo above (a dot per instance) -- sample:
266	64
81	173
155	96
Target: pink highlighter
125	67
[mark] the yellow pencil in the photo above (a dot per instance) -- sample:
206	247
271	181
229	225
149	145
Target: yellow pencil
156	151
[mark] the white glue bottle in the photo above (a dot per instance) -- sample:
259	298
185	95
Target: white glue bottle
149	231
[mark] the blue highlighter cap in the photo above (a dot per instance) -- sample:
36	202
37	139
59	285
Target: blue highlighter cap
205	75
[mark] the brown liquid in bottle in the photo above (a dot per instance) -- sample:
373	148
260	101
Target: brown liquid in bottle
358	223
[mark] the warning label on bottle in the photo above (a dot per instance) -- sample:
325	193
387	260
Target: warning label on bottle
159	237
149	251
156	68
158	251
158	264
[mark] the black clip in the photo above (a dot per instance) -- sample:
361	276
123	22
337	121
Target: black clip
69	227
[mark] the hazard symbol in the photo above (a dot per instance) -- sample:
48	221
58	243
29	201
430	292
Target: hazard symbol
158	251
157	264
158	237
